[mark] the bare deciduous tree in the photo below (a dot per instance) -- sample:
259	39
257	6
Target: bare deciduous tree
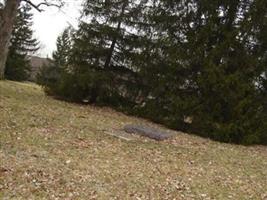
8	12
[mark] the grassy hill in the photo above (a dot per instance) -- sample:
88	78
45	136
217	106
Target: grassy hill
55	150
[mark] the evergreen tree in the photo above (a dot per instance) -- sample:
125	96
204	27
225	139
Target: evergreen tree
8	12
51	75
61	55
194	65
22	44
105	47
218	48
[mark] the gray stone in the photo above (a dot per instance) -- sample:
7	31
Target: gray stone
147	132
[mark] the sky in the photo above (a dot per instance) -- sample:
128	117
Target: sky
50	23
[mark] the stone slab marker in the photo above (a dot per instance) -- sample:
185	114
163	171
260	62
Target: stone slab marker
147	132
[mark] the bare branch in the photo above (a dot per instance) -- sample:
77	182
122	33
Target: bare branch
44	3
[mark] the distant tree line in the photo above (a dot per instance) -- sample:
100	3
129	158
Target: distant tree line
192	65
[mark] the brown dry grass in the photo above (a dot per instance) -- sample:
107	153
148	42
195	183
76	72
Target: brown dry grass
56	150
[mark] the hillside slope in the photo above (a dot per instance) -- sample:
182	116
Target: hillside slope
55	150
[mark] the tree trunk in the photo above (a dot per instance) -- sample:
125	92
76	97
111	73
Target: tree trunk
114	41
7	19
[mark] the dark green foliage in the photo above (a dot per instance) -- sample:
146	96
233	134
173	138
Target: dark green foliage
98	69
229	108
61	56
51	75
17	67
197	66
21	45
48	76
209	70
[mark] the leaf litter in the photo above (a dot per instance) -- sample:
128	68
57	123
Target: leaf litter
55	150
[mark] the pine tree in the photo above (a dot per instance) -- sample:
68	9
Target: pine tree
109	26
194	65
105	48
51	75
8	12
61	55
211	55
229	107
22	44
165	69
219	50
